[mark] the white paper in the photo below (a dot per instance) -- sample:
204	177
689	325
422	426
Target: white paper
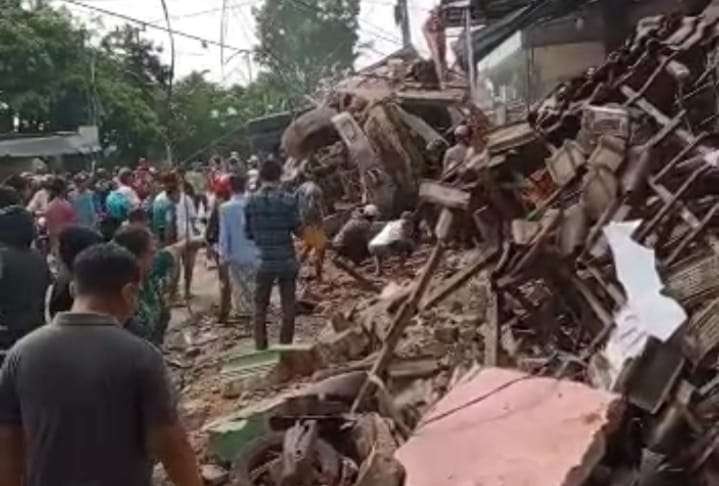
647	312
391	232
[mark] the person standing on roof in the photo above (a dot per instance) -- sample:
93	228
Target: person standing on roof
455	155
272	218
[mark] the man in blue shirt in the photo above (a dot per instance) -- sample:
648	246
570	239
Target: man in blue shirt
272	217
83	202
237	251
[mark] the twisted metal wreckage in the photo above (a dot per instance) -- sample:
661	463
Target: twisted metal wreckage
597	220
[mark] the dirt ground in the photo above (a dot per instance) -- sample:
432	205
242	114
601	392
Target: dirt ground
196	343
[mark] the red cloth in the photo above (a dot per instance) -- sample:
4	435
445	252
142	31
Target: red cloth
222	187
215	179
59	214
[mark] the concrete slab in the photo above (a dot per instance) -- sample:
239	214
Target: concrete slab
501	427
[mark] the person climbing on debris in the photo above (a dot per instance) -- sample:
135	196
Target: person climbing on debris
82	401
237	253
353	239
272	218
310	199
396	238
455	155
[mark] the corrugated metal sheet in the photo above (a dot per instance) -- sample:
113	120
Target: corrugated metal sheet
489	38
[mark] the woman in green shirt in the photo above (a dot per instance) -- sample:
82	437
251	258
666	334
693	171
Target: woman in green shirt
153	313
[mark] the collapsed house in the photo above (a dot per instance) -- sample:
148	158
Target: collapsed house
594	285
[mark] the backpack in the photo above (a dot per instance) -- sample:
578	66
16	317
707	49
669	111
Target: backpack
118	205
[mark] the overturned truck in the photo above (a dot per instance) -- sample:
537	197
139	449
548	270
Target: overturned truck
379	133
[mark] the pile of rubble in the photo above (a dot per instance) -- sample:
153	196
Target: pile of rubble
597	263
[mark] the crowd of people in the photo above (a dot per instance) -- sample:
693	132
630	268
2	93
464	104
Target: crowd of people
163	218
90	266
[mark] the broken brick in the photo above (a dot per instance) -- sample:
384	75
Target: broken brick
341	347
504	427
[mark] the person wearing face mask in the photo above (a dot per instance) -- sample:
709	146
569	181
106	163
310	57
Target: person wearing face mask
82	401
152	317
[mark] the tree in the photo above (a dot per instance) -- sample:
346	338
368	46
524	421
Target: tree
131	83
42	69
52	79
55	76
209	117
303	41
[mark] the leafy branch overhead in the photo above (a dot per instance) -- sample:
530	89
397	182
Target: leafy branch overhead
57	73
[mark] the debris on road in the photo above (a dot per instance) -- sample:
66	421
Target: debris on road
589	298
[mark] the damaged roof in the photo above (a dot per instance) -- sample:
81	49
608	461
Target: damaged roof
485	40
483	11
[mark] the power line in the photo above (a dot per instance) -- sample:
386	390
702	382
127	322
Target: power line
379	33
128	18
206	12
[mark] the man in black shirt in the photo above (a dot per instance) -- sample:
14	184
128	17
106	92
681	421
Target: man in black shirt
24	274
84	402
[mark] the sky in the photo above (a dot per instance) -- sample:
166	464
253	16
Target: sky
203	19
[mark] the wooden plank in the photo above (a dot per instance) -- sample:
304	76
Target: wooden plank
444	195
661	118
401	320
492	331
457	280
363	281
685	214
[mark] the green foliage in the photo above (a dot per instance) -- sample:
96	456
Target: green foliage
208	117
42	59
303	41
54	77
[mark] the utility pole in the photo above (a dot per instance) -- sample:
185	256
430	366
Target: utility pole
401	16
